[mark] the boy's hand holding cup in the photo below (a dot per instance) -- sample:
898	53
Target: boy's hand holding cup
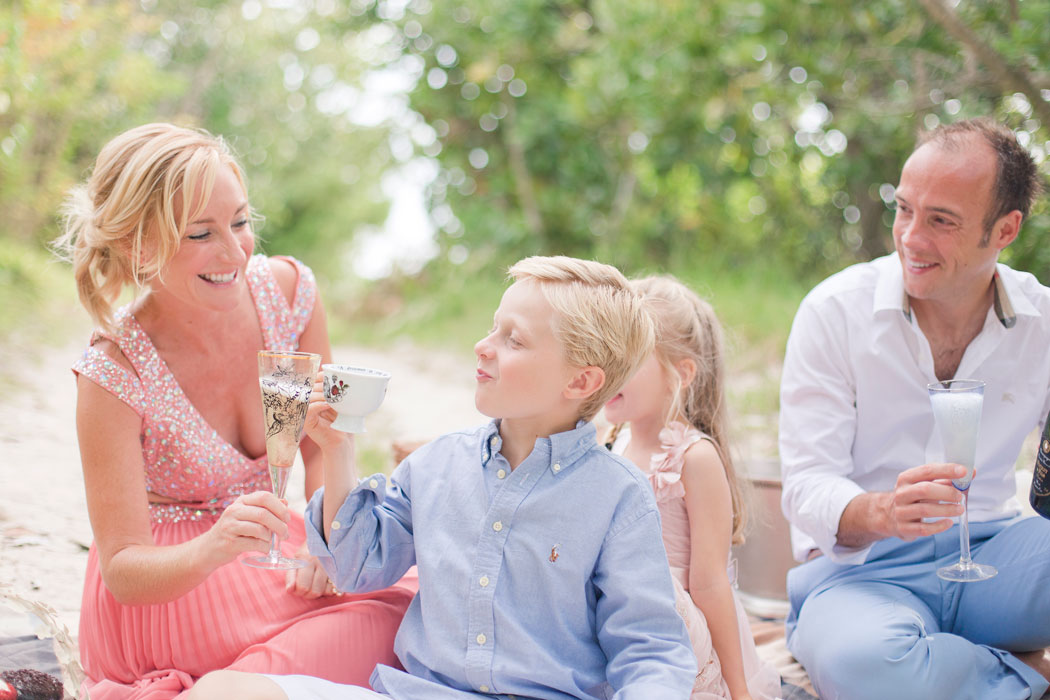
353	393
342	396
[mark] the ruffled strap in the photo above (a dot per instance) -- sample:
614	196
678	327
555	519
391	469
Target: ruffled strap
665	467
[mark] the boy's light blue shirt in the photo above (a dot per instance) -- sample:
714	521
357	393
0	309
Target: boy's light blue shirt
549	581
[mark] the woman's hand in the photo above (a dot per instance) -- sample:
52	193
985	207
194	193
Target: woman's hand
311	581
319	419
245	526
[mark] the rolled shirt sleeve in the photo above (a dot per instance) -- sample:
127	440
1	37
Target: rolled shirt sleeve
371	543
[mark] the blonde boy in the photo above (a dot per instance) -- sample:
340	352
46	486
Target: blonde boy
541	569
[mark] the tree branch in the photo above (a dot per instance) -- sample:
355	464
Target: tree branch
522	177
1008	76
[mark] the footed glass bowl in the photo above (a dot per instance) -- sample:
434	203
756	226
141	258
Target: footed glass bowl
32	638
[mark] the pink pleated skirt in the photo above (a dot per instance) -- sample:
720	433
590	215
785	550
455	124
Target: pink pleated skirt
239	618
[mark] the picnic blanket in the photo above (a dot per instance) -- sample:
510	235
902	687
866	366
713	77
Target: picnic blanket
772	648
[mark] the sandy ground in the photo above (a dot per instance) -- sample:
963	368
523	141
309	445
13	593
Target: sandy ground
44	528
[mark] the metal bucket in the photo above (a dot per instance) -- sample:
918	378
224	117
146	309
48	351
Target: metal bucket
764	559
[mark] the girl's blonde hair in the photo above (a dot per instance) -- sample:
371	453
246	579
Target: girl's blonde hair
688	329
121	226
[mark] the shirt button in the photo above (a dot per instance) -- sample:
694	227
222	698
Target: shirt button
501	473
484	689
557	467
481	639
497	526
492	442
484	581
373	483
336	524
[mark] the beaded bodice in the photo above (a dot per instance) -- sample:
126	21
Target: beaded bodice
185	458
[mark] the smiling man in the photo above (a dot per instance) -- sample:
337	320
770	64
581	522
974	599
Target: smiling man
867	493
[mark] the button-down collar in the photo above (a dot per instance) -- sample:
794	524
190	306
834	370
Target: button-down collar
491	443
567	448
563	449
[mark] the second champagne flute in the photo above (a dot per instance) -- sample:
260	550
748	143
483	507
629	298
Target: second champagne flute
957	408
285	382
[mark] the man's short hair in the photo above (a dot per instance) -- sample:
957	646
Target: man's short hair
598	319
1017	179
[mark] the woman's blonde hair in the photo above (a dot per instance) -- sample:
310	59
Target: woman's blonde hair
598	319
688	329
121	226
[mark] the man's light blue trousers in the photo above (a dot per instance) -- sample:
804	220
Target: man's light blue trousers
890	629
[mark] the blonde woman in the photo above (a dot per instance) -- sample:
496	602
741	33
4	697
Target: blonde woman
171	433
675	405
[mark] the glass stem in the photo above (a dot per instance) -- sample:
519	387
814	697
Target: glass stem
964	532
274	554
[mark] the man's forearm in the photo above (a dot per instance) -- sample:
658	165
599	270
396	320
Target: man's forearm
863	521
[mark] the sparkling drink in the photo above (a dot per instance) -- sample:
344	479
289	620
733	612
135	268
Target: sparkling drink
285	382
284	409
958	416
956	405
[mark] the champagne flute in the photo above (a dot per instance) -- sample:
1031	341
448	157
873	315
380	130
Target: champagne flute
957	411
285	381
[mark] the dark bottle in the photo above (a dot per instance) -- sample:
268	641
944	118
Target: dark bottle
1040	493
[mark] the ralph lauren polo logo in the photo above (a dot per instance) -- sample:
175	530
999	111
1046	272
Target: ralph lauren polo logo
554	553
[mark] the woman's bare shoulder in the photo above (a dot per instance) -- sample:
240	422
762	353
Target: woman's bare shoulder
286	274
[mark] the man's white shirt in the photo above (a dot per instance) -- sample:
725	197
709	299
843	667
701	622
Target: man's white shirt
855	411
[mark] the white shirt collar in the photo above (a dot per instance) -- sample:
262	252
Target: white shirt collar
1009	302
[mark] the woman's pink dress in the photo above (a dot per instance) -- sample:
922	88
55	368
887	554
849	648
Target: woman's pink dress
665	476
240	617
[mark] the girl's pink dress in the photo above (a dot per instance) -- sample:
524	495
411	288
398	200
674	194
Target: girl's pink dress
665	476
240	617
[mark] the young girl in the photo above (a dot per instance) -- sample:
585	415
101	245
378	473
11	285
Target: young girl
675	405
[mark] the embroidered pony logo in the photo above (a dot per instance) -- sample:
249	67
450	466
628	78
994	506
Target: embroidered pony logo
554	553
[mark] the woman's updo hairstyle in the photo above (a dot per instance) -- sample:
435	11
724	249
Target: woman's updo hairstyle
123	225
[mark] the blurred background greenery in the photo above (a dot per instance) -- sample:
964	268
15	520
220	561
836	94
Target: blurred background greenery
409	150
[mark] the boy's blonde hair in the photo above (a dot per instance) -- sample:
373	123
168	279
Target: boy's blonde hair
688	329
598	319
121	226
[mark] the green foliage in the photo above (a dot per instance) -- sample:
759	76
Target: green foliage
406	307
38	293
755	303
658	134
743	146
280	83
